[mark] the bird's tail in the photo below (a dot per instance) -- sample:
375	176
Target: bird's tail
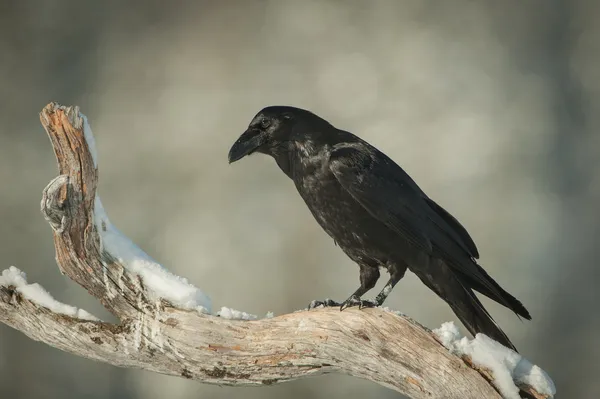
461	298
493	291
476	318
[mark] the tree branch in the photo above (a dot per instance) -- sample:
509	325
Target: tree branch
171	332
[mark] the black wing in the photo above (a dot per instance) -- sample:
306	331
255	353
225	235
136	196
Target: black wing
391	196
460	232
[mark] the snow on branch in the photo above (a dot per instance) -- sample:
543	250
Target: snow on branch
166	324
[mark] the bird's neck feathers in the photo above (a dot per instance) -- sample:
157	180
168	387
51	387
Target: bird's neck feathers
307	148
297	157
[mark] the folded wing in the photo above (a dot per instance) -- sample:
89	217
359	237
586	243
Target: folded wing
391	196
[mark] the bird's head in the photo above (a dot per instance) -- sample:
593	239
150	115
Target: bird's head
272	129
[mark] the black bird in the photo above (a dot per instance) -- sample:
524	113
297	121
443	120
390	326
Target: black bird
377	215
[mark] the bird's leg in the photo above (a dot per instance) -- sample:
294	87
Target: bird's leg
327	303
382	296
396	274
355	300
369	274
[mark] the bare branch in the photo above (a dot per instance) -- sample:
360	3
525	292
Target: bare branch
164	333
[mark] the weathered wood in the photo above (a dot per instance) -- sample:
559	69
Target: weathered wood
154	335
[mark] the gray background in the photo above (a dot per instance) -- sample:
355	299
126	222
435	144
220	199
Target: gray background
493	107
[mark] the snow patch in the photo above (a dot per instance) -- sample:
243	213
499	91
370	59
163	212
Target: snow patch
448	333
507	366
397	313
232	314
159	281
38	295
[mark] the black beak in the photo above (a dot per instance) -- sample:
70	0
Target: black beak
248	142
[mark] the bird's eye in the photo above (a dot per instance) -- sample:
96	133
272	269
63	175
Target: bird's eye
265	123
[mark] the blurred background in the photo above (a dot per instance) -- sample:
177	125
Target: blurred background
493	108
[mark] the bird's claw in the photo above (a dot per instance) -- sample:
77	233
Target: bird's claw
327	303
356	301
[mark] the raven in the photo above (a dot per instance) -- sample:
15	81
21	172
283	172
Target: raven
377	214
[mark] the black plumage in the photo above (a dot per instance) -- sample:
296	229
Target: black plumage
377	214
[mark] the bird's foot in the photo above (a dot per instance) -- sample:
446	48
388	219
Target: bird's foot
356	301
327	303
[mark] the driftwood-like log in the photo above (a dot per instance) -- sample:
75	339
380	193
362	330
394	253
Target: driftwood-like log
159	336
